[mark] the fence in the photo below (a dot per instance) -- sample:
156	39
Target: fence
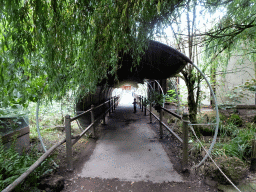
185	127
70	140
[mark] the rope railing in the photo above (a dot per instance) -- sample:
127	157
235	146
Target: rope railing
70	141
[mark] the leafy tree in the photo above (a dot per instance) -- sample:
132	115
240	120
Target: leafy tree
51	47
187	38
234	34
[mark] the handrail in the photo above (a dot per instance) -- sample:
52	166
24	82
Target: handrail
49	151
78	116
69	137
172	113
166	126
102	104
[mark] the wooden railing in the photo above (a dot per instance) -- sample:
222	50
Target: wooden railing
184	118
70	140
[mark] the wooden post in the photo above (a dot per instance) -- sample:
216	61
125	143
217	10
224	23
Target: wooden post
92	121
68	143
142	103
104	114
185	141
145	107
109	105
115	103
160	123
112	103
150	115
253	158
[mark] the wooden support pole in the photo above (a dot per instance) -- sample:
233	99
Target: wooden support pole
115	103
92	121
68	143
253	157
142	103
104	115
150	115
160	123
185	141
109	105
112	104
145	109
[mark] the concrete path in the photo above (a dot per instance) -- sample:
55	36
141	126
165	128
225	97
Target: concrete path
129	151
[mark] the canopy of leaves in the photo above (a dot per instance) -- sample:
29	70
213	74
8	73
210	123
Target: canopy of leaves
236	31
49	47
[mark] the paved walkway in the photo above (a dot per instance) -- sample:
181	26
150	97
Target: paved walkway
129	151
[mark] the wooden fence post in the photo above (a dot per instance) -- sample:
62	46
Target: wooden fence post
104	115
142	103
109	105
253	157
160	123
92	121
68	143
115	103
112	99
185	141
150	115
145	107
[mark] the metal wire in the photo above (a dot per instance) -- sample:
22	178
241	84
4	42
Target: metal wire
217	117
213	160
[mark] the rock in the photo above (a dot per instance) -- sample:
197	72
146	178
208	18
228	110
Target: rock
52	183
233	167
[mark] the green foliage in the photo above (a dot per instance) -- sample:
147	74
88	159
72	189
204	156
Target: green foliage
171	96
228	129
235	119
12	165
250	85
234	33
156	98
51	47
240	143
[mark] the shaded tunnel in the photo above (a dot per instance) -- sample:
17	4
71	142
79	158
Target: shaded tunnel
159	62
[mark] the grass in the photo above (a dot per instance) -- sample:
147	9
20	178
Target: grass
233	139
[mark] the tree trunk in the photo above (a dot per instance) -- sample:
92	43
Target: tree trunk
192	106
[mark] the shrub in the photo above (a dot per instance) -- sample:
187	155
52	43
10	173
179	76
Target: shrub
236	119
229	129
240	145
12	165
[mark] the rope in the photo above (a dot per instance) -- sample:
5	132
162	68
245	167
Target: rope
213	160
